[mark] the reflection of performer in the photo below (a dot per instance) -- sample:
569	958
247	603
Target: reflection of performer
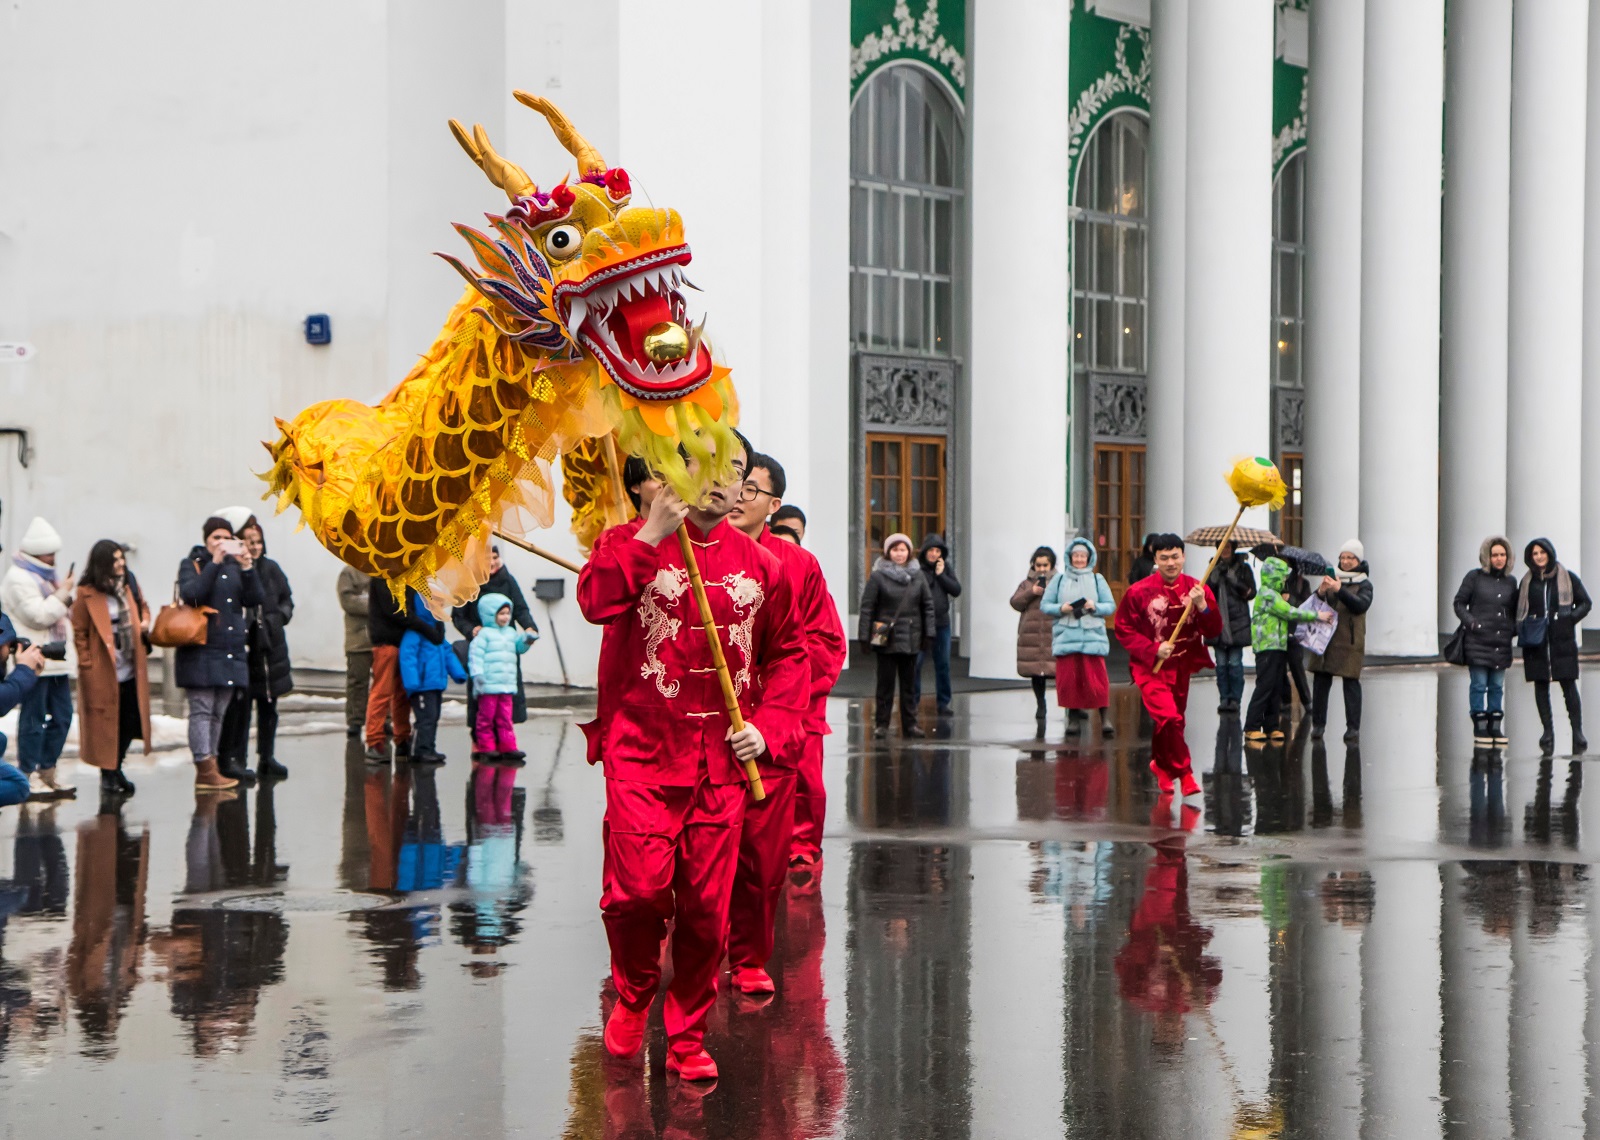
1164	969
1146	618
769	827
675	788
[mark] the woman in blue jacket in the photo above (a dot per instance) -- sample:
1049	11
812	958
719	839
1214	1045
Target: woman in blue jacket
1080	601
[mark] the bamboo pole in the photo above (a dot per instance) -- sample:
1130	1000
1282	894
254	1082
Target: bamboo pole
1212	565
730	699
541	552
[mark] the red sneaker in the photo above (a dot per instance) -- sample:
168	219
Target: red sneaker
695	1066
1163	781
753	980
625	1030
1191	786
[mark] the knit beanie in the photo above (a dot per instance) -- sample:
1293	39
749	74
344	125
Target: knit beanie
238	518
1354	547
40	539
215	523
889	542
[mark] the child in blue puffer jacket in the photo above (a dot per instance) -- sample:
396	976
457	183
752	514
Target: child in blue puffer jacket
492	661
426	670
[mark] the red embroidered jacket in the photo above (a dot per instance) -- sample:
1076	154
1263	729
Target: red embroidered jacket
661	717
819	624
1147	614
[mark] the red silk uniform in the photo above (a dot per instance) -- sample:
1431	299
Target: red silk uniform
675	793
769	826
1145	618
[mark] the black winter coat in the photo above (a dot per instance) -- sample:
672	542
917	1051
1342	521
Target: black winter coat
223	661
465	617
270	674
1557	658
1233	584
1486	604
944	586
386	625
892	591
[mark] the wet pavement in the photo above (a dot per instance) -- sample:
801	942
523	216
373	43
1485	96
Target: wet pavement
1011	936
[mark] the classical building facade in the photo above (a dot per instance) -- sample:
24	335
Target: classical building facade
1006	271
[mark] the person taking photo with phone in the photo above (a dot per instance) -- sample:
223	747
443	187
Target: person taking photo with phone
37	598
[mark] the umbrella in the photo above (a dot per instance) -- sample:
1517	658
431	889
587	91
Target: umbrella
1305	561
1244	537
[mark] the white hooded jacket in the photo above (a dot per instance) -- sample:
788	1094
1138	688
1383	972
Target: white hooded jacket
37	614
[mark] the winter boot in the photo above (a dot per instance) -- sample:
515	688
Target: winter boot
268	768
235	770
1497	729
1580	744
1107	729
1481	737
60	790
1547	739
208	779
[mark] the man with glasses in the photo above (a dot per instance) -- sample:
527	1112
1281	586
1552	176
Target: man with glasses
790	775
675	782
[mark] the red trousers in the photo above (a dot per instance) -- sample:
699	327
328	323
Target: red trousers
763	865
1166	699
810	800
669	854
386	700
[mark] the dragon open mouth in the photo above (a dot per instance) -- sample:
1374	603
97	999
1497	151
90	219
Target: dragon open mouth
611	311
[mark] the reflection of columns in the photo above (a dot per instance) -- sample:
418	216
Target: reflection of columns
1228	258
1401	128
1544	460
1548	1062
1169	53
1477	217
1400	786
1020	106
1333	275
1326	1044
1475	1008
1400	996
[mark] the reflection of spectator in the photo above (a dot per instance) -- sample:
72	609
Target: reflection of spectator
1164	969
108	927
39	862
493	870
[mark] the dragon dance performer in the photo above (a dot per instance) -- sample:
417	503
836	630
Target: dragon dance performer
675	788
768	828
1149	612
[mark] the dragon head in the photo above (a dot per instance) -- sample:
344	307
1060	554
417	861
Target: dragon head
578	274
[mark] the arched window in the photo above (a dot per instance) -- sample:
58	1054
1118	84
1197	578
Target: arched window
1288	271
907	170
1110	237
1288	338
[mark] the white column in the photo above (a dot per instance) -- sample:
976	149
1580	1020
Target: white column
1018	105
1333	276
1591	317
1544	420
1228	267
1169	54
1402	127
1477	220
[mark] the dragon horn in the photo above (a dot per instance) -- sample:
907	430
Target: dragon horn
507	175
589	160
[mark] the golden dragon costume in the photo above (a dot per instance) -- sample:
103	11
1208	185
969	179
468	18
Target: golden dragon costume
571	340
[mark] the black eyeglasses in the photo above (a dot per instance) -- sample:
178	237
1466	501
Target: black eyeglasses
748	493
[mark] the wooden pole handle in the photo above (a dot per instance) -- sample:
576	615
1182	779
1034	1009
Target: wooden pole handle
1210	566
541	552
730	698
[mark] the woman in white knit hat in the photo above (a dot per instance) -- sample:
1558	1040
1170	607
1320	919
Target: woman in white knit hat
37	598
1349	592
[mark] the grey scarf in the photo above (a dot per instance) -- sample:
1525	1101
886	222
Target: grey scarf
1563	591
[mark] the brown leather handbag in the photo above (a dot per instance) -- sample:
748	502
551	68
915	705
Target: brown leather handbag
178	624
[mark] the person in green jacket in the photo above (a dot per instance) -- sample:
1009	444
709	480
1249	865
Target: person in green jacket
1269	637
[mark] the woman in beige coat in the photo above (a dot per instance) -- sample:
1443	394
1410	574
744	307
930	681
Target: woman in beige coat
109	621
1035	661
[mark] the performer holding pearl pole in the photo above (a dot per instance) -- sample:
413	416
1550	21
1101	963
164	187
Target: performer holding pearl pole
676	790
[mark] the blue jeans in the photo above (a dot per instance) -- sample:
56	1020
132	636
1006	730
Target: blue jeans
13	786
1230	673
1487	690
42	723
941	670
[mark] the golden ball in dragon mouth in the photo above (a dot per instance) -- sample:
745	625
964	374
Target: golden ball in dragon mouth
666	342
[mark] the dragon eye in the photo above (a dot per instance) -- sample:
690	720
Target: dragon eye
563	241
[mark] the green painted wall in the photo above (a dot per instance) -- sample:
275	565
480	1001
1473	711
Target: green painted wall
1108	69
1288	112
931	32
